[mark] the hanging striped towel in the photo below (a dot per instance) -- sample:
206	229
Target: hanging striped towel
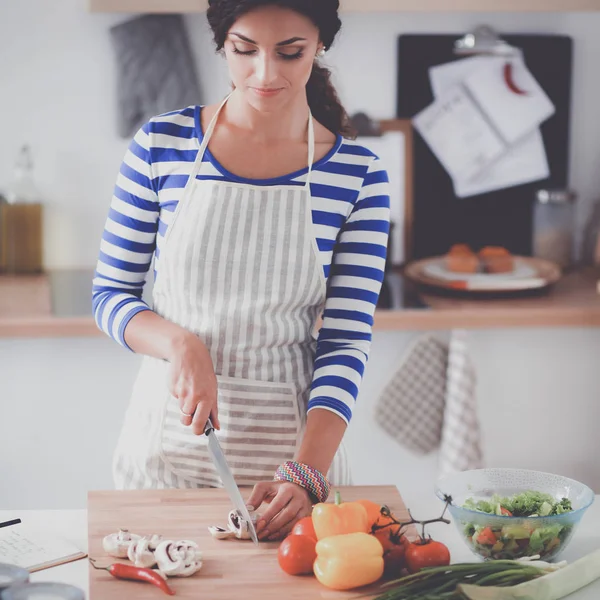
156	71
460	446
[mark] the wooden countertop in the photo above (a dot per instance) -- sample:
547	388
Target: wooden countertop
58	304
573	302
73	524
54	304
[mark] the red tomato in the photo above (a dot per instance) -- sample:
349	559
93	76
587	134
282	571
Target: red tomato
505	512
389	537
305	527
427	553
487	537
394	560
296	554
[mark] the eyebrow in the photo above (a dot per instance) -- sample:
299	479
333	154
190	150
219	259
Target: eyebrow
284	43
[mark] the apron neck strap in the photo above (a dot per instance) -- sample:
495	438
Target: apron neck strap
311	148
210	130
213	122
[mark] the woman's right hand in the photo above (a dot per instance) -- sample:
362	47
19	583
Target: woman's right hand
193	382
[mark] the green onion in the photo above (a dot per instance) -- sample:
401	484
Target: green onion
440	583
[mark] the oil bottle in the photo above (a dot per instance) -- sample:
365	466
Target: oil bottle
21	221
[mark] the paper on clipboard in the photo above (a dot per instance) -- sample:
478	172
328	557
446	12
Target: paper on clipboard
390	147
512	99
524	162
459	134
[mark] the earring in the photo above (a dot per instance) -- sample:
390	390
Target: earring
321	53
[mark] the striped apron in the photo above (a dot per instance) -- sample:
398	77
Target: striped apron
240	268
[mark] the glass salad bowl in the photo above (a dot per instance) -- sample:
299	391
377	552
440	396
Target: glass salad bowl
512	513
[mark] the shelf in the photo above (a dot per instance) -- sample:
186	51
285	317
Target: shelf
58	305
194	6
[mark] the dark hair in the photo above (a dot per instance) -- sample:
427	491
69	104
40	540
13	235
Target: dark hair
322	97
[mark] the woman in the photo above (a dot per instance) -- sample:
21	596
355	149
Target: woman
261	218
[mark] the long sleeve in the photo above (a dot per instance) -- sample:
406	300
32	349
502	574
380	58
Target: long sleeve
355	280
128	241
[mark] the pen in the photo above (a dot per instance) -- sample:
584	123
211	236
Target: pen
9	523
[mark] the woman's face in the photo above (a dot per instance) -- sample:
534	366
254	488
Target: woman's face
270	52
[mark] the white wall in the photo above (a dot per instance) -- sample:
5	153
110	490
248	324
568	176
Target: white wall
61	401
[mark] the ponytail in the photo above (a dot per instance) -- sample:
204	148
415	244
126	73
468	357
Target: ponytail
325	105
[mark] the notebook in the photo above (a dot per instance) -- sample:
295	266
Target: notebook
35	550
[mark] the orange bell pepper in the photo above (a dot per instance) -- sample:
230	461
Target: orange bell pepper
373	511
339	518
348	561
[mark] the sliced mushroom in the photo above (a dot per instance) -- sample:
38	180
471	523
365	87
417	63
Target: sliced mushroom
117	544
155	540
239	525
219	533
141	554
178	559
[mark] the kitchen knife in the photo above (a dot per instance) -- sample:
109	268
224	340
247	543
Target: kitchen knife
220	462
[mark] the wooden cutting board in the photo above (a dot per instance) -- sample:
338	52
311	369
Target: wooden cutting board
232	569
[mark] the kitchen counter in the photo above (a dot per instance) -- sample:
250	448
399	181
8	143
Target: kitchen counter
58	304
54	304
72	524
573	301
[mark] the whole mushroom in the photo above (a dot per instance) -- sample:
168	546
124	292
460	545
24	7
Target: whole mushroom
117	544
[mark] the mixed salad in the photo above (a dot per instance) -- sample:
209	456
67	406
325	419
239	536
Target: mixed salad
515	540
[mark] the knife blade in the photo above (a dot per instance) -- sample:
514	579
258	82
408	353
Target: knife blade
220	462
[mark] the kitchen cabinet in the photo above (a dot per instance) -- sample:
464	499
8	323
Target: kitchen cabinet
191	6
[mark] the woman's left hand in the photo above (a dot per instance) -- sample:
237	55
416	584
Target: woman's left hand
287	502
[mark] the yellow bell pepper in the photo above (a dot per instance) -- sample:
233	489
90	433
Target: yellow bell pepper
337	519
348	561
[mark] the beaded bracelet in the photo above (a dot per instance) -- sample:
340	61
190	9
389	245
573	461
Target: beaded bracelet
312	480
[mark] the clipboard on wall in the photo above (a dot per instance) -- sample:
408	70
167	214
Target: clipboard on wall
502	217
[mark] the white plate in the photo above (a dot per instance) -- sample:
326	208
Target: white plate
529	274
437	270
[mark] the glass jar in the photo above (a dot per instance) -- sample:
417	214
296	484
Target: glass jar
21	226
591	238
553	226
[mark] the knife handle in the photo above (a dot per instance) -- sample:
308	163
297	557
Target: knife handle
208	427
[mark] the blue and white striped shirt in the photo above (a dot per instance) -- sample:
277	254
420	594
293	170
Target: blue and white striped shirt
350	214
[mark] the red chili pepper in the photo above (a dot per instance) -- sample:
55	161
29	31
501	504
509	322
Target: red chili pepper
510	82
133	573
